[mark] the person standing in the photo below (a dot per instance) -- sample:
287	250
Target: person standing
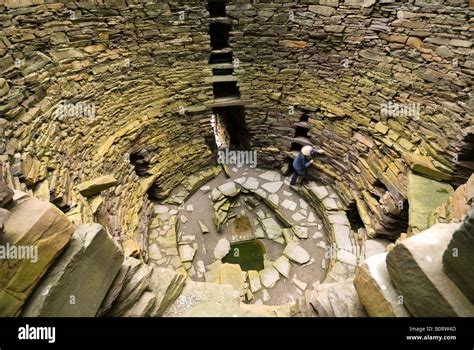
302	162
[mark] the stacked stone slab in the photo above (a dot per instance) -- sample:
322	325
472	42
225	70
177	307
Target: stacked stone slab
83	96
142	291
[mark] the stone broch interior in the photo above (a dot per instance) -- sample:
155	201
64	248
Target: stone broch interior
113	114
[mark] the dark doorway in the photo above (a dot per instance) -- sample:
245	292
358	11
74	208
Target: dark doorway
226	89
295	146
220	57
223	71
219	33
304	117
140	161
233	119
354	217
301	131
217	9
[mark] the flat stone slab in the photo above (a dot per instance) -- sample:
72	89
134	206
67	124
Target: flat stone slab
274	199
298	217
375	289
296	253
203	227
339	218
232	274
269	276
283	265
320	191
270	175
251	184
290	205
222	248
154	252
272	228
254	281
97	185
424	195
272	187
416	269
229	189
186	253
161	209
300	232
300	284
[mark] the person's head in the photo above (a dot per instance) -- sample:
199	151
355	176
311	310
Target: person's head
308	151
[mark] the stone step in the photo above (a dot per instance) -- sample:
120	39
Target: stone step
91	261
416	269
221	51
300	140
221	79
221	66
228	102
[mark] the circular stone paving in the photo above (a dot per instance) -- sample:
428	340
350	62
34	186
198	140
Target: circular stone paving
252	231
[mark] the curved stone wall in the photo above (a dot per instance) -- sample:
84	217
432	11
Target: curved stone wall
104	88
123	88
385	86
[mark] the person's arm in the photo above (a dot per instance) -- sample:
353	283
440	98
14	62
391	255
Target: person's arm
307	164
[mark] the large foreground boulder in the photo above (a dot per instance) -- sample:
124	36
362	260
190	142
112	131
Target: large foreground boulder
80	279
416	269
458	259
376	291
38	232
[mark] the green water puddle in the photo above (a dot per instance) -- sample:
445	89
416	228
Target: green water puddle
249	255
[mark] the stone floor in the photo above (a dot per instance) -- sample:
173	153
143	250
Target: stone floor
196	251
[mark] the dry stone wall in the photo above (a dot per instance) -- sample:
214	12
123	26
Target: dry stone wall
121	89
382	86
117	88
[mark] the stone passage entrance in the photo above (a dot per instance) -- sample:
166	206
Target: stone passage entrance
231	125
217	8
